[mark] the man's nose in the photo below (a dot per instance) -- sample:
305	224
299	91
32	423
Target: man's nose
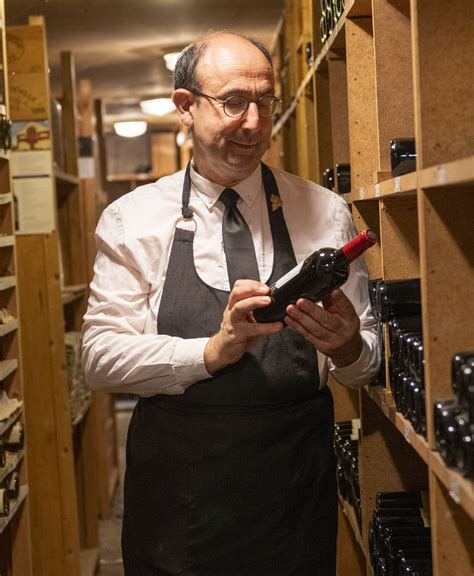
251	117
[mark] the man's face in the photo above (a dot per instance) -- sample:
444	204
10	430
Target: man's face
227	150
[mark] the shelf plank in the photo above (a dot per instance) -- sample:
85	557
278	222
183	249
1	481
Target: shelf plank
89	561
72	293
8	327
7	282
350	514
6	241
65	179
82	412
384	400
6	198
12	461
453	173
8	422
460	489
13	508
7	367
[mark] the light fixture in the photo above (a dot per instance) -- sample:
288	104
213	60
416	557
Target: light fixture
130	129
170	59
157	106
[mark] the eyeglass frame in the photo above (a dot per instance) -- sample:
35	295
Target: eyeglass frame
223	102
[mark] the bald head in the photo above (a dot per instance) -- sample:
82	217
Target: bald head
185	73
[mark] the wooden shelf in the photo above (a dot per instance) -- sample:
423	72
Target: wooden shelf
8	422
14	506
8	327
12	461
460	489
6	241
72	293
384	400
398	186
66	179
7	282
89	561
350	514
4	154
82	412
454	173
6	198
133	177
7	367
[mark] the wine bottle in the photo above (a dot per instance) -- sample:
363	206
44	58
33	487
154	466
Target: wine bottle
402	156
343	178
328	178
12	485
15	438
4	502
316	277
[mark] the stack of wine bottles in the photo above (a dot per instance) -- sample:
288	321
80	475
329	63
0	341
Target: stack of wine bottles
346	446
398	303
402	156
380	380
12	441
454	418
331	11
400	536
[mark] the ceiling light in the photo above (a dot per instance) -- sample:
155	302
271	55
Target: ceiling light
130	129
157	106
170	59
180	138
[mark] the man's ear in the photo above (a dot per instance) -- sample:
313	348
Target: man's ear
183	99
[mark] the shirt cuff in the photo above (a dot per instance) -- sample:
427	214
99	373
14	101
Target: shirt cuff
360	372
188	361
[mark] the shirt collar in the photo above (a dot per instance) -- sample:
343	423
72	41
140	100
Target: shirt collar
209	192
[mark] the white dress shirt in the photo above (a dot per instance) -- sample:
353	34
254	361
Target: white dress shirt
122	351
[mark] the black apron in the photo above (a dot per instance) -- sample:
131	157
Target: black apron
235	477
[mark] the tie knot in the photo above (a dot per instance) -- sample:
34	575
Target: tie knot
229	197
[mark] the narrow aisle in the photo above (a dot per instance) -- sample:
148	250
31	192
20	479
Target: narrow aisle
110	528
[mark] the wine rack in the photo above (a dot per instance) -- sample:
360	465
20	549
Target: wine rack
52	285
15	541
394	69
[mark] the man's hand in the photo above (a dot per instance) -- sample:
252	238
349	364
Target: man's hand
239	331
332	329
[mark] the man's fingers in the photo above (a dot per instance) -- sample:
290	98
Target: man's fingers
338	303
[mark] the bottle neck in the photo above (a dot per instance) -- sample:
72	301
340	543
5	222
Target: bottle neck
354	248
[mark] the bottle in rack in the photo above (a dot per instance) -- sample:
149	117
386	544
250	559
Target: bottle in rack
321	272
343	178
14	440
402	156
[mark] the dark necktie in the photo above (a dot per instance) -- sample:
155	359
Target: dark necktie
238	245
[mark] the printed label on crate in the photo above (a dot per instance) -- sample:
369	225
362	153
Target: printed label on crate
34	205
33	135
34	163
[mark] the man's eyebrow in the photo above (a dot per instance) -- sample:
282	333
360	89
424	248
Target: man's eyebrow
242	92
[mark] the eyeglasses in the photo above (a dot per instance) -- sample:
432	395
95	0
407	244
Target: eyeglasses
235	106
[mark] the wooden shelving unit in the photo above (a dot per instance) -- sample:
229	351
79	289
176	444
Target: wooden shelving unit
15	539
394	69
53	283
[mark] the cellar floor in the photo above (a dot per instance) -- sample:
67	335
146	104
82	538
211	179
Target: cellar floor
110	528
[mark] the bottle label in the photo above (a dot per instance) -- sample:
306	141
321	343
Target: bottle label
288	276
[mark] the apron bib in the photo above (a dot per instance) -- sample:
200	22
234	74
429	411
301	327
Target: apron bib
235	477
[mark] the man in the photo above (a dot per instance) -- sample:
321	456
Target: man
230	466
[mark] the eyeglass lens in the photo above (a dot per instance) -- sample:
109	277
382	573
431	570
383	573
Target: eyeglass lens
236	105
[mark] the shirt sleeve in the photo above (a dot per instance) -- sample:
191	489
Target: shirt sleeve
120	353
366	367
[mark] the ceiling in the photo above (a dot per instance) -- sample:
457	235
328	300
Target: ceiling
119	44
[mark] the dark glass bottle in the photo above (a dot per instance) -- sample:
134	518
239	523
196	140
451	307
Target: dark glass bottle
402	156
328	178
316	277
14	440
343	177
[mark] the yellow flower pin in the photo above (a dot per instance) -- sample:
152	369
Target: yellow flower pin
276	201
